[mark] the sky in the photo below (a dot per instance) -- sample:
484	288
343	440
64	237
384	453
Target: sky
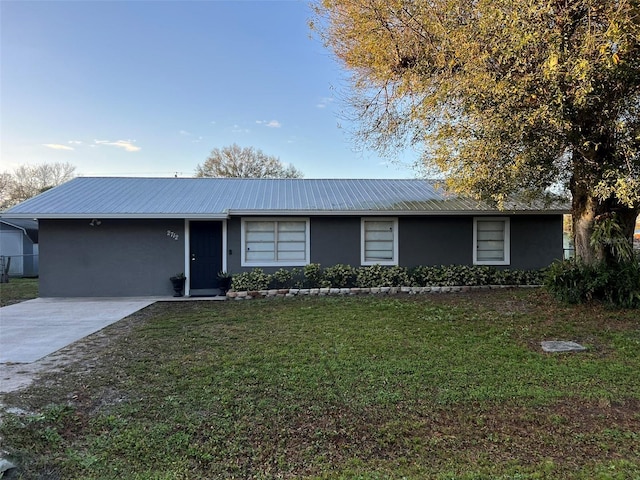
149	88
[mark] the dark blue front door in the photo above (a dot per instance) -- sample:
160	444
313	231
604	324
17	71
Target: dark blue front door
205	247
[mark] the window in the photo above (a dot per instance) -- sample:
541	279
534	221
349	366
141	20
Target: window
275	242
491	241
379	241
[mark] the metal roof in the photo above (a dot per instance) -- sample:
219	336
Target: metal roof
131	197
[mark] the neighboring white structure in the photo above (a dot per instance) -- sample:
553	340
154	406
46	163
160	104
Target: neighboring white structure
19	241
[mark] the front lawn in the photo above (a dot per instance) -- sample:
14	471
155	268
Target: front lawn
436	386
18	290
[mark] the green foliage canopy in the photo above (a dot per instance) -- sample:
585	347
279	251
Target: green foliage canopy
504	95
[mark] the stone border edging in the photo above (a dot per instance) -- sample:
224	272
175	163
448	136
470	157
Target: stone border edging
323	292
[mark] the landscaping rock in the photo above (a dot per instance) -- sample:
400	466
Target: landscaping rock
555	346
293	292
5	466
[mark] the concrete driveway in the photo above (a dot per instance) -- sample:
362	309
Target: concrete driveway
36	328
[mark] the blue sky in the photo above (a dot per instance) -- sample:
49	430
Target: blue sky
149	88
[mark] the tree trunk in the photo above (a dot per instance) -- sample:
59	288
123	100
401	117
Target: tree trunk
583	213
585	209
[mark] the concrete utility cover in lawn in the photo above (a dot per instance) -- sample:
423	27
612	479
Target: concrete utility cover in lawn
36	328
561	346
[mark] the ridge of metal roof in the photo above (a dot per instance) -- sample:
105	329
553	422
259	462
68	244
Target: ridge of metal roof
160	197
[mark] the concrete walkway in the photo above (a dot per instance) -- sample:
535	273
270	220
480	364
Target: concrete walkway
36	328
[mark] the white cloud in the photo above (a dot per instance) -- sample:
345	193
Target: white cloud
324	102
57	146
238	129
75	142
270	124
194	139
127	145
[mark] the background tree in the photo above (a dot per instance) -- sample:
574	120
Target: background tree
29	180
247	162
504	95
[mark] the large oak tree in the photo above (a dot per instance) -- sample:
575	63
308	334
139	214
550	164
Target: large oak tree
504	95
244	162
28	181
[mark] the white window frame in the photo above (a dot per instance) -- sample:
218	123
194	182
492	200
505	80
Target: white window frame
507	241
262	263
363	221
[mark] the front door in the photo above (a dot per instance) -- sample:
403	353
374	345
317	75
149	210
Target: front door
205	248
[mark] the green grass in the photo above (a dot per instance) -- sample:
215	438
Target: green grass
18	290
443	387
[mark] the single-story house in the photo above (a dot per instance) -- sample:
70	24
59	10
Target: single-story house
127	236
19	241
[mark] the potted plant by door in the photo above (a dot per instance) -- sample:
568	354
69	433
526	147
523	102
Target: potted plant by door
224	282
178	284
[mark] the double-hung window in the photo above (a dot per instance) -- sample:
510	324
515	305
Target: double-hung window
379	241
491	241
279	241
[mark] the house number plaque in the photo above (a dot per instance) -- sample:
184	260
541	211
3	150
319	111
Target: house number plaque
173	235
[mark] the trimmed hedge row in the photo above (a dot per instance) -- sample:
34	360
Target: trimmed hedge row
346	276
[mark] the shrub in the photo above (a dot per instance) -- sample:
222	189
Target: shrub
623	289
371	276
346	276
340	276
396	276
282	278
455	275
313	276
256	279
474	275
424	276
575	282
502	277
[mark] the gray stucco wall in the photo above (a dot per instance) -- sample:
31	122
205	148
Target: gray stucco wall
536	241
333	240
234	249
137	257
116	258
435	241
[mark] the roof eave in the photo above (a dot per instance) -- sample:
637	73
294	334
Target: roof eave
284	213
80	216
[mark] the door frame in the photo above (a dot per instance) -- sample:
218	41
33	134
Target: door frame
187	247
